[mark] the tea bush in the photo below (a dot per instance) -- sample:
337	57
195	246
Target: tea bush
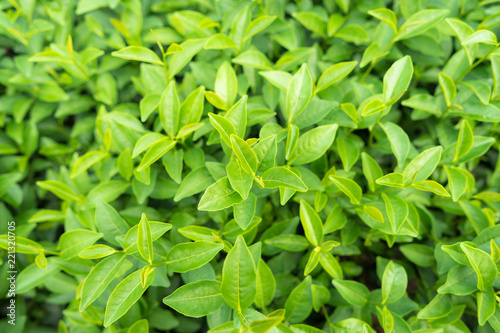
249	166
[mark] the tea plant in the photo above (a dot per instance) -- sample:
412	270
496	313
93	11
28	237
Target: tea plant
250	166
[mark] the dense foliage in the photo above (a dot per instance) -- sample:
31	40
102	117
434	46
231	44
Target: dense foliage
250	166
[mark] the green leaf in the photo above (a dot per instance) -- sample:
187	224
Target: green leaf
482	37
33	276
334	74
266	285
457	182
170	110
226	84
218	196
21	244
219	42
371	170
239	277
125	164
483	265
298	305
138	53
96	252
223	126
394	283
420	22
313	144
63	191
84	162
99	278
71	243
293	243
422	166
185	257
311	222
299	93
397	79
259	24
449	88
387	16
439	307
400	143
397	211
313	261
374	107
244	212
196	299
240	181
155	152
245	154
312	22
391	180
462	280
331	265
419	254
196	181
352	291
279	79
283	177
145	239
486	306
349	188
126	294
465	140
431	186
